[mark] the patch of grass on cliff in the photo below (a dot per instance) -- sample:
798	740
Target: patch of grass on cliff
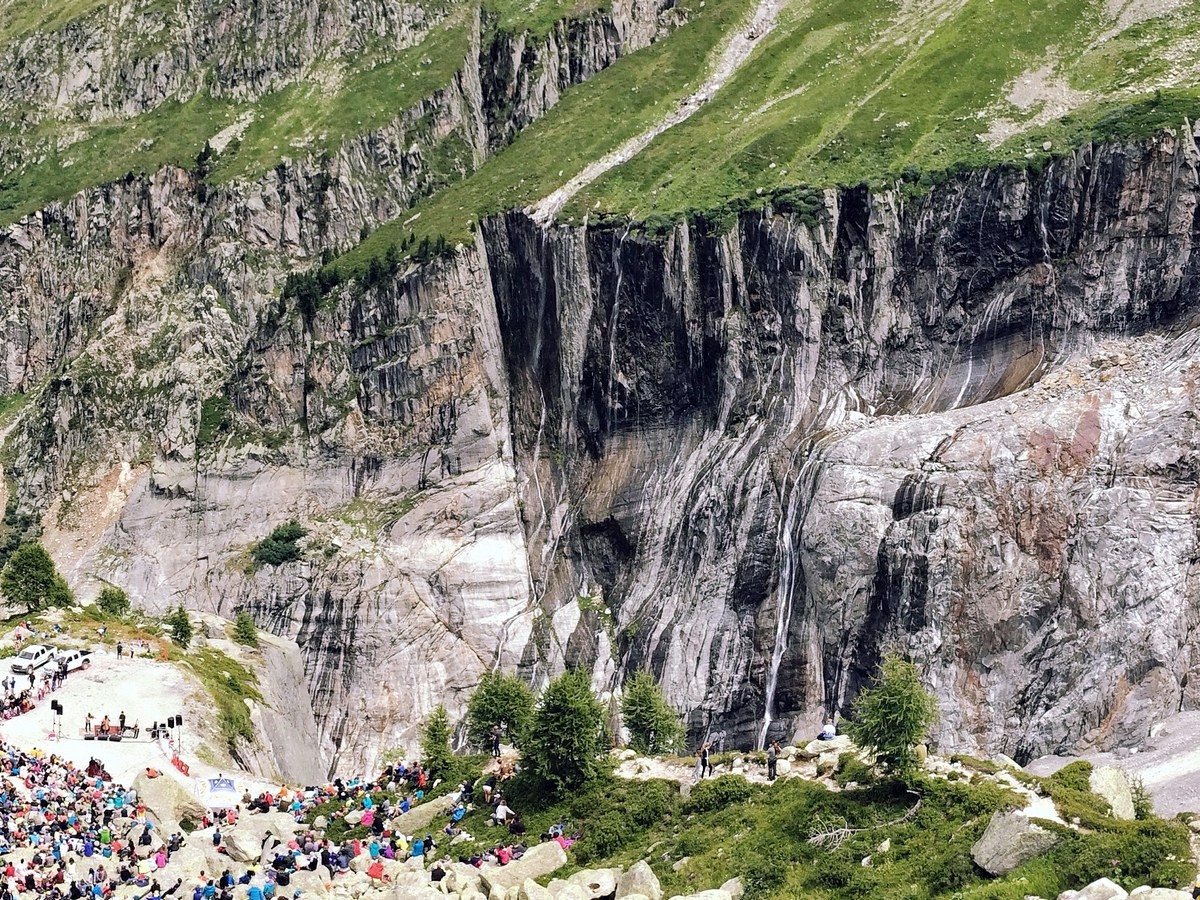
307	117
590	120
11	406
21	17
230	684
173	134
537	16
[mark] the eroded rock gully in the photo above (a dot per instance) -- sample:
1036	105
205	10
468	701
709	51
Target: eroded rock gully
747	458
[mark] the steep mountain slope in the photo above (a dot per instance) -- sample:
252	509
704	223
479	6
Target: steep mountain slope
700	410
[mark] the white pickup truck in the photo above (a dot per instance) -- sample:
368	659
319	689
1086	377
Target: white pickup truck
32	658
70	660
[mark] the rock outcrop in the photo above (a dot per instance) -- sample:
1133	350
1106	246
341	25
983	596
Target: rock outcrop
1011	839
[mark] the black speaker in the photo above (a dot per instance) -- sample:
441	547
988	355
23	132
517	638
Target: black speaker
114	737
179	721
89	737
102	737
171	722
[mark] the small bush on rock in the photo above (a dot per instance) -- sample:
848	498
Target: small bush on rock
113	601
280	545
718	793
244	630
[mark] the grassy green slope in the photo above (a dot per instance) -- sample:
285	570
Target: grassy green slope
336	100
838	93
729	828
590	120
848	93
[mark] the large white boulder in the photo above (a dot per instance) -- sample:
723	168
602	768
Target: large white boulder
639	879
167	801
531	890
1010	840
596	883
1113	785
311	883
540	859
1103	889
838	745
242	846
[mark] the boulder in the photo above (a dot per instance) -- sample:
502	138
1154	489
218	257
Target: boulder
596	883
639	879
354	817
421	817
1010	840
540	859
144	850
839	744
320	823
1007	762
243	846
311	883
1113	785
531	890
734	888
460	878
167	801
565	890
1097	890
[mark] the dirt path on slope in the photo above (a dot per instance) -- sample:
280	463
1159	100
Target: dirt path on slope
733	54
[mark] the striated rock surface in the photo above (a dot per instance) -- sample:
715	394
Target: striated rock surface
746	456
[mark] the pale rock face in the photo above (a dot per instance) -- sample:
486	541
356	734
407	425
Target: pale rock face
1010	840
1102	889
1113	785
639	879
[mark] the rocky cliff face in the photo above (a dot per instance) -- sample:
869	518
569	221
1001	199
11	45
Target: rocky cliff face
959	425
745	456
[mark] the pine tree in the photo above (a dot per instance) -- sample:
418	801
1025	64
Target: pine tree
244	629
654	727
567	741
113	601
892	716
503	700
436	755
180	626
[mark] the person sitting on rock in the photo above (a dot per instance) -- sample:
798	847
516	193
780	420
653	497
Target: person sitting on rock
828	733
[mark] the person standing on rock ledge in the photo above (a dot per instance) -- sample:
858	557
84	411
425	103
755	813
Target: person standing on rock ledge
772	760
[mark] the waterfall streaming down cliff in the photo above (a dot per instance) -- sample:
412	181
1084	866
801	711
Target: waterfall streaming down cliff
795	504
